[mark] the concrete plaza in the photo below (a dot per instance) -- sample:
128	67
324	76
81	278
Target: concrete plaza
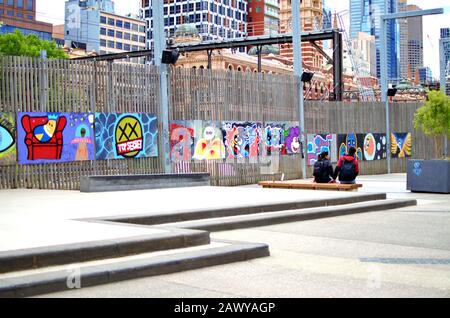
394	253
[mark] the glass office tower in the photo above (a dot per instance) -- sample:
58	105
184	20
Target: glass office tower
365	17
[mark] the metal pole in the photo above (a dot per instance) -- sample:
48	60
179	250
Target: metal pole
259	47
160	45
298	70
443	82
384	97
43	82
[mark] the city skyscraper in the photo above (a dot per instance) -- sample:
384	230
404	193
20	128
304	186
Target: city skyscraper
365	16
213	19
445	34
411	41
92	25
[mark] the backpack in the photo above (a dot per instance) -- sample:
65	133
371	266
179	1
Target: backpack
319	170
347	171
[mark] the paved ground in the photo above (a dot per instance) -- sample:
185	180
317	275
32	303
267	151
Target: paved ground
401	253
33	218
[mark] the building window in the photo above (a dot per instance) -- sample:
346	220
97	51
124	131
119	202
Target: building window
111	33
127	36
103	42
2	11
127	25
135	38
111	21
111	44
20	4
126	47
142	28
103	20
119	34
118	45
30	5
119	23
142	39
103	31
10	13
30	17
19	15
10	2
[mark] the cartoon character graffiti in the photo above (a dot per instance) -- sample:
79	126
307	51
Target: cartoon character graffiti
401	144
44	133
369	147
351	140
292	140
210	146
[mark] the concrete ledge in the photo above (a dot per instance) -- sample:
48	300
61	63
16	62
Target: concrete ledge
107	273
142	182
240	222
199	214
87	251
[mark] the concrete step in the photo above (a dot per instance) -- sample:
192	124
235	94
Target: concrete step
81	252
269	218
48	280
200	214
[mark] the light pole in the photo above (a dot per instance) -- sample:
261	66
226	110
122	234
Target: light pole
160	45
383	62
298	70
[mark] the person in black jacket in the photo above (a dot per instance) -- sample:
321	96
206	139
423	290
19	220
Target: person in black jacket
323	169
347	168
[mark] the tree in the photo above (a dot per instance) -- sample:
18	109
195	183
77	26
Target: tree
434	118
18	44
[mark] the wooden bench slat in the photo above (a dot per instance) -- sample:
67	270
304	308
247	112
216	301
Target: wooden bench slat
308	185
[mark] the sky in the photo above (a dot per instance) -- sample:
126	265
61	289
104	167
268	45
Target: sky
53	11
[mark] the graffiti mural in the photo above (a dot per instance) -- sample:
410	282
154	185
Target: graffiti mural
242	139
320	143
292	138
8	147
374	146
274	138
55	137
182	139
401	145
345	141
127	135
209	141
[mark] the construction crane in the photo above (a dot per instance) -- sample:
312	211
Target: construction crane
366	93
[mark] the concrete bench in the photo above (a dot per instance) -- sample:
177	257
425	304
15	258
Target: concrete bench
309	185
143	181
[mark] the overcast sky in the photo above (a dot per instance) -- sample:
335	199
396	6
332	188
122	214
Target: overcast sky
53	11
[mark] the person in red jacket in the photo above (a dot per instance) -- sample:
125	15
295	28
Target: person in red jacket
347	168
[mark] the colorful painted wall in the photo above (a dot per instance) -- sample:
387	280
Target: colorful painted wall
125	136
370	146
401	145
55	137
65	137
8	147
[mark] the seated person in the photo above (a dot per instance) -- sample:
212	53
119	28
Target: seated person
347	168
323	170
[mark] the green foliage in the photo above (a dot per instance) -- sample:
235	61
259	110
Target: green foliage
434	119
17	44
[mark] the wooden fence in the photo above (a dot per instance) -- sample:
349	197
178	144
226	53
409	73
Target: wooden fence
34	85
